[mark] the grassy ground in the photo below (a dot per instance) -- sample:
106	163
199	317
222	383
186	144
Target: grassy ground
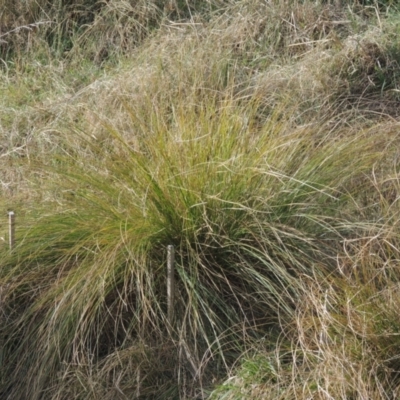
258	138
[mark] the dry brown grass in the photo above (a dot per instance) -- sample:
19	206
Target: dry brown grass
181	115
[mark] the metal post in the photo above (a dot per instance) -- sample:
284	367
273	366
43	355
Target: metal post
11	229
170	282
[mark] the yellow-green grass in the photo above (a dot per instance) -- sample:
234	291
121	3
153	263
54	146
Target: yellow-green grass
251	212
273	177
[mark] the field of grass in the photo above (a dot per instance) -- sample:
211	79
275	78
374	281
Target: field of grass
260	139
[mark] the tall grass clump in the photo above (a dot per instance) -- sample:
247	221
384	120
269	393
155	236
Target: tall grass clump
250	210
259	139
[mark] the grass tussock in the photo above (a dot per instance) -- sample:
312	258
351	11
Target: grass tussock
260	140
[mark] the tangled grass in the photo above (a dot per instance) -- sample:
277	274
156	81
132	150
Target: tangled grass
273	175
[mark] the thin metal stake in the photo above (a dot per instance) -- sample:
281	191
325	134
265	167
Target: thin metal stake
11	229
170	282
